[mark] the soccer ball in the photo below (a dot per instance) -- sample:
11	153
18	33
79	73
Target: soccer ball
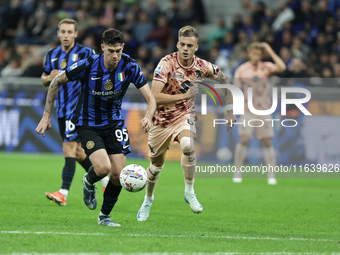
133	178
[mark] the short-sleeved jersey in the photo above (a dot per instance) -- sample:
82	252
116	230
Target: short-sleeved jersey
57	59
102	90
177	81
247	75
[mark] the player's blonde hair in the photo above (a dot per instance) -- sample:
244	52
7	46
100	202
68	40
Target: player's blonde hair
188	31
255	46
68	21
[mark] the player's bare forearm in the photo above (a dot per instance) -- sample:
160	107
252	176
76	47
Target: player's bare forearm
162	98
53	91
150	101
223	79
45	80
280	64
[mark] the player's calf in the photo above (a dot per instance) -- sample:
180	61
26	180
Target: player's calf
188	162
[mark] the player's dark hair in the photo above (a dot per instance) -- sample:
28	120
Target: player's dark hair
68	21
112	37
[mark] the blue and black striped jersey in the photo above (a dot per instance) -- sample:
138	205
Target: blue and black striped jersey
57	59
103	90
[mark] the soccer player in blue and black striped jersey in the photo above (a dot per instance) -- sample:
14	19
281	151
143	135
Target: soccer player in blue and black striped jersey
100	125
57	60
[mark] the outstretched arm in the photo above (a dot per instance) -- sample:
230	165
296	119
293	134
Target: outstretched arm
151	107
45	122
279	63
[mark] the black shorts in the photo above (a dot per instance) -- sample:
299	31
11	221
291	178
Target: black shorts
67	130
114	138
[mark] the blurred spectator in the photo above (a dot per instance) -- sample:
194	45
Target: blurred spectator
142	28
97	8
322	15
306	13
264	30
219	32
240	46
286	14
220	61
157	55
237	25
300	49
90	41
269	16
327	72
192	12
286	55
227	46
175	19
12	69
9	20
160	34
286	39
130	45
330	31
310	33
153	11
249	27
107	19
336	69
36	68
142	55
321	44
270	39
36	27
259	13
297	69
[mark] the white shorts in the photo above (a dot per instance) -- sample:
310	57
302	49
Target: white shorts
160	138
265	131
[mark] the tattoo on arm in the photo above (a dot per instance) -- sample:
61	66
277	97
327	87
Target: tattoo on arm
53	90
223	79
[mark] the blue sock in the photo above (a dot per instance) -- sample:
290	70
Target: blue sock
110	197
68	173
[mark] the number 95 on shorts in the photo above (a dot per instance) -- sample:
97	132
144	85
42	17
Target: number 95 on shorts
114	138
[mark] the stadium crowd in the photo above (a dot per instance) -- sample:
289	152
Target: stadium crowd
305	33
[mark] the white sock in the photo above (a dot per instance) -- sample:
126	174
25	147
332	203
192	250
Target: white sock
102	214
148	198
189	188
240	155
64	192
105	181
270	160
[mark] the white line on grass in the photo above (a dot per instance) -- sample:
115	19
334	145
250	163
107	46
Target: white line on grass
168	236
177	253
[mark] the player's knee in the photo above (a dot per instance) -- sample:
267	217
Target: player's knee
153	171
187	145
244	140
267	142
102	169
69	150
114	176
80	154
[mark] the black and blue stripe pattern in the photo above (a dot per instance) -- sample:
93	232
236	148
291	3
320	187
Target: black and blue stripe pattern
103	90
57	59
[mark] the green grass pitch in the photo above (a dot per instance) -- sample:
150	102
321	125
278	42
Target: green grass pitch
297	215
